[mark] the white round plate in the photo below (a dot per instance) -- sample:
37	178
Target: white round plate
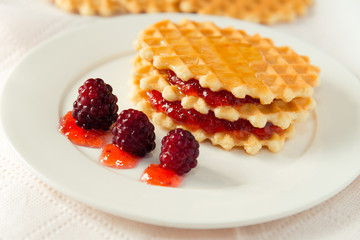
226	189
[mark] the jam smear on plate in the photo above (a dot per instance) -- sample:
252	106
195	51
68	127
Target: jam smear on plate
156	174
113	156
87	138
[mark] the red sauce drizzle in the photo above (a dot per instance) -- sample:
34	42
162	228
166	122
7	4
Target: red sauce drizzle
213	99
155	174
80	136
209	123
113	156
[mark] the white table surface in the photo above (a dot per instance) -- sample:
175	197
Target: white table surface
30	209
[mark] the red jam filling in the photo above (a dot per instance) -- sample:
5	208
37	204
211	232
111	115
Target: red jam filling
113	156
80	136
155	174
213	99
209	123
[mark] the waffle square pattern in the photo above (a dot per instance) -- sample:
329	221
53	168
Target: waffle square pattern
222	84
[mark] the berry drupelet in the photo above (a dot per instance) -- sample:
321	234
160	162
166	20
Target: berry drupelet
96	106
134	133
179	151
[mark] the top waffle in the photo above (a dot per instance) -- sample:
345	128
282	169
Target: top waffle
261	11
228	59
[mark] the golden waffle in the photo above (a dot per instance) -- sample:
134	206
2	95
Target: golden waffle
261	11
150	6
91	7
228	59
278	112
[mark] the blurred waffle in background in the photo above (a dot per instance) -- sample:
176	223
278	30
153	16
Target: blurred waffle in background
91	7
260	11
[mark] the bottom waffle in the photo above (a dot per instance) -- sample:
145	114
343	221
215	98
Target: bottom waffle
226	140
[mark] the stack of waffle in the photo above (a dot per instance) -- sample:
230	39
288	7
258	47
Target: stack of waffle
222	84
261	11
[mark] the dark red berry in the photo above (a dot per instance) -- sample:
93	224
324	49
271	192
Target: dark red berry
95	106
179	151
134	133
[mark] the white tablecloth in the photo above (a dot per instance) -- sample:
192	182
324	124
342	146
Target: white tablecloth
30	209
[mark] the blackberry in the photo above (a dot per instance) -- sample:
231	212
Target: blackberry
179	151
95	106
134	133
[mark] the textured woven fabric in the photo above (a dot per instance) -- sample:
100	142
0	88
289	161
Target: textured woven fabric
30	209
